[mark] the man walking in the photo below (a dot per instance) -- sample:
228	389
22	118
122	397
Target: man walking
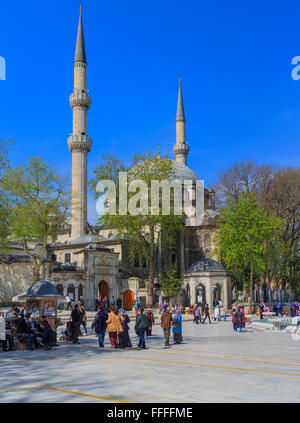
69	303
76	322
206	313
100	325
197	315
141	325
166	321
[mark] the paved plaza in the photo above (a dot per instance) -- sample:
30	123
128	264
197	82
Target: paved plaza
214	364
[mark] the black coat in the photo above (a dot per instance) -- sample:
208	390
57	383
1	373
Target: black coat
239	319
22	326
76	316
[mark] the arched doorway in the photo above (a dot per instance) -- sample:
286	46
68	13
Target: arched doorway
60	289
217	294
128	300
188	296
103	290
200	293
71	292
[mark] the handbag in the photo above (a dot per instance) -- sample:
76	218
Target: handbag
176	324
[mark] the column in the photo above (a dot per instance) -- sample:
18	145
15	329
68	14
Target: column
76	294
209	295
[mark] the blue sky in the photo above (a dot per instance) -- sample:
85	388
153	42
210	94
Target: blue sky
234	59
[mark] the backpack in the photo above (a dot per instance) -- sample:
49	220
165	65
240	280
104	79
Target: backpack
143	323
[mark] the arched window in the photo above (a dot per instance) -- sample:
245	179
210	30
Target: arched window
60	289
200	293
71	292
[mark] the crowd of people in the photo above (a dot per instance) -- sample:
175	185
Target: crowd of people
277	309
34	332
112	318
115	321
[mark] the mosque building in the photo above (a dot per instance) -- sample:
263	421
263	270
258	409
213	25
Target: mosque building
90	261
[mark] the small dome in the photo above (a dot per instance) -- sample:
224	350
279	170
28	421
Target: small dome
42	289
183	172
89	238
206	265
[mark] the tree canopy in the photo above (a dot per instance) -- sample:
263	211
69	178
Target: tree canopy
245	232
144	232
37	201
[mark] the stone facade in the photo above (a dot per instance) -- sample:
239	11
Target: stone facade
89	261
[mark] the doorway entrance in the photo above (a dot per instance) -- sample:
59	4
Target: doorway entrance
103	290
128	300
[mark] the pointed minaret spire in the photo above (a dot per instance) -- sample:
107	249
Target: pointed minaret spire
180	109
79	142
159	156
180	149
80	46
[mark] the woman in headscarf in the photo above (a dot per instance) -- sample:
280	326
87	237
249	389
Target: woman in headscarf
114	326
124	339
150	318
216	313
177	327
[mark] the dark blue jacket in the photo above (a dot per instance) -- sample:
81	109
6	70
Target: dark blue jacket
100	324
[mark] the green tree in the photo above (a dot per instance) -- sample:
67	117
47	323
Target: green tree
145	232
4	211
38	200
170	284
242	242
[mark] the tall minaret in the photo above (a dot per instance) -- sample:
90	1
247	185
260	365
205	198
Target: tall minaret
180	149
79	142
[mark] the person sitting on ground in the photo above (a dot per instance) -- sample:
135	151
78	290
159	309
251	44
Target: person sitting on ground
49	336
31	323
114	326
23	332
67	334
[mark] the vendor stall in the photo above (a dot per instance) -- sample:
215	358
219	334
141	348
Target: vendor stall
41	300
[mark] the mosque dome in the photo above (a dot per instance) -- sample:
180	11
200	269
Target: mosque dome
183	172
206	265
42	289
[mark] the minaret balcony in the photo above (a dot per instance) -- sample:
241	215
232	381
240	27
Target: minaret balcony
181	148
81	99
79	142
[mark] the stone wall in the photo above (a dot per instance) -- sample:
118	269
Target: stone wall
15	278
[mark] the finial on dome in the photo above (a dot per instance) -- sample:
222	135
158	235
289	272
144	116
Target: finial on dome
159	156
